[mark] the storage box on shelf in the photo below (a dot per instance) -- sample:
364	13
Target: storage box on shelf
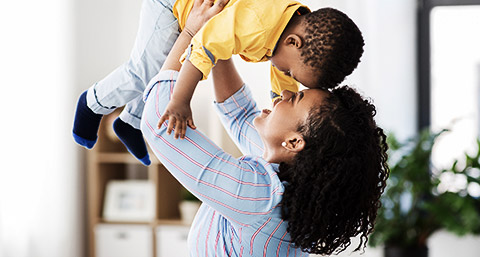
171	241
123	240
109	160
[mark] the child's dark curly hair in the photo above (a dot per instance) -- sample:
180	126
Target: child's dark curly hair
335	182
333	45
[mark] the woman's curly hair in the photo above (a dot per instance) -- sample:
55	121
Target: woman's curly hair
335	182
333	45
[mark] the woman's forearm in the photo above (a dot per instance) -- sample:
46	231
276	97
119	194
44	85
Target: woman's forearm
173	59
201	12
226	80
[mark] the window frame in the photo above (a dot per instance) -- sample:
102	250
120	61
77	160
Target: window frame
424	66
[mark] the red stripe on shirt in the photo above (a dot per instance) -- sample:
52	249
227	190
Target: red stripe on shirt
280	243
256	233
270	237
208	234
201	165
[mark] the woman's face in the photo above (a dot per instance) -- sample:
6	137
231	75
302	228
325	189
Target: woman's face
280	124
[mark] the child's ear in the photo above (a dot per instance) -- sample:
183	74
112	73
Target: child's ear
294	40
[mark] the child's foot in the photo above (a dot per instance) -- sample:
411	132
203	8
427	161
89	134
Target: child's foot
85	126
133	139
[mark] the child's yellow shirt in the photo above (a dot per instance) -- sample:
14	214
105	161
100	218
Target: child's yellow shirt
249	28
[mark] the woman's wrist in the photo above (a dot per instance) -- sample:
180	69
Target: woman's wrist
172	61
189	32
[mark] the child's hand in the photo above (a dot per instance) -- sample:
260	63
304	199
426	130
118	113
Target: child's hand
180	115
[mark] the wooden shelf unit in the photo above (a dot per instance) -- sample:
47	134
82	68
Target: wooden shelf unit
109	160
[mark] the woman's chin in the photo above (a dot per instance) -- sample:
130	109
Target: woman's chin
266	158
254	121
269	157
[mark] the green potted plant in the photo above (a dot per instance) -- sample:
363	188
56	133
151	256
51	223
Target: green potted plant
413	208
188	206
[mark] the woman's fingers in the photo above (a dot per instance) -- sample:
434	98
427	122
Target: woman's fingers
220	4
201	12
217	7
197	3
209	2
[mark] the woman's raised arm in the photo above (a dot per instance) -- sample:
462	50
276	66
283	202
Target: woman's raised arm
226	80
236	107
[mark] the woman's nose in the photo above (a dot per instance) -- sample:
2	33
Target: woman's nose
286	94
276	101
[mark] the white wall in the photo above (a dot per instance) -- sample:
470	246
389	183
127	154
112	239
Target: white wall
387	72
441	244
53	50
104	33
41	204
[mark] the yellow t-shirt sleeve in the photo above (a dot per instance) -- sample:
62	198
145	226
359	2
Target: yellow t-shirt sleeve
281	82
235	30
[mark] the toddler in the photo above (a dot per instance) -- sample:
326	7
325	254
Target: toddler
316	49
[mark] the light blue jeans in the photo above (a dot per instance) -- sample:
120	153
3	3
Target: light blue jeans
156	35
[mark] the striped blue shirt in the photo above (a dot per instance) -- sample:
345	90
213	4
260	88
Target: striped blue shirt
240	214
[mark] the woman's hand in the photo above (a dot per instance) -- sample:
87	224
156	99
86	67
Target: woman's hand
201	12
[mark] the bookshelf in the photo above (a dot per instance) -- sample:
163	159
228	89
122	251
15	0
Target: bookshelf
109	160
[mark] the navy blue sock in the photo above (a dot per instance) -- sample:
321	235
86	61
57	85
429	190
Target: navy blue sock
132	138
86	123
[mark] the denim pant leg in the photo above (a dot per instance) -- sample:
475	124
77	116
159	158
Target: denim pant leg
157	32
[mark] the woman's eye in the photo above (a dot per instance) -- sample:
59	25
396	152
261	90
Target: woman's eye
292	98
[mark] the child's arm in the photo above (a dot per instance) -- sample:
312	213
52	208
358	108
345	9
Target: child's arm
235	30
178	111
243	191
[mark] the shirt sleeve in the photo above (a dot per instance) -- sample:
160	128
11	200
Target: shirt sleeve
281	82
237	114
227	34
241	189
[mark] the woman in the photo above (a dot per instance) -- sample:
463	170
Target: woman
314	169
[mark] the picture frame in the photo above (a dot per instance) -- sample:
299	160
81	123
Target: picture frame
129	201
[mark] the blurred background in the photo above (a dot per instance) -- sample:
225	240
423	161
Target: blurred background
421	68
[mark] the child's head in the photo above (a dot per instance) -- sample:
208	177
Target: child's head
327	44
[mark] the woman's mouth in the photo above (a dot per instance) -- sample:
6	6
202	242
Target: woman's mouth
266	111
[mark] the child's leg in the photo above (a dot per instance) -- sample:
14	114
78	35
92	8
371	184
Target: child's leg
127	125
127	128
157	32
85	121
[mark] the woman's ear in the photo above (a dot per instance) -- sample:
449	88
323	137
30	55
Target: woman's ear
294	40
294	143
